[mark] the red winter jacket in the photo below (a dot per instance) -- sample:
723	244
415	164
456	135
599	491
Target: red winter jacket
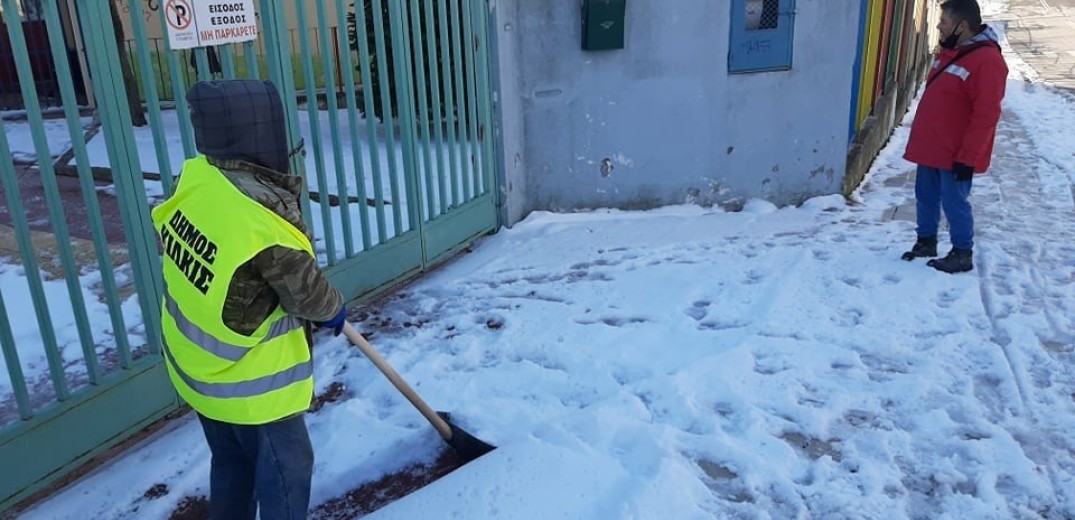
957	117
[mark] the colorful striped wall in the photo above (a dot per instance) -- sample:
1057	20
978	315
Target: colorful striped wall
894	39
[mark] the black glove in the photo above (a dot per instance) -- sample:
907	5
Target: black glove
336	323
963	172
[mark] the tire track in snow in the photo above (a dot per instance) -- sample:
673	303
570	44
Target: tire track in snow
1023	237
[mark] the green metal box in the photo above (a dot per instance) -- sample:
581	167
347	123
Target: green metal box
602	24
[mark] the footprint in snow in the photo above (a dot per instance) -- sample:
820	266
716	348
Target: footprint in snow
613	321
698	310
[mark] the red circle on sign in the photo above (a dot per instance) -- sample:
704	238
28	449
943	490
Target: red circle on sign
179	14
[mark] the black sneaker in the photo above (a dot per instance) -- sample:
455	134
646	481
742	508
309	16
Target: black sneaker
957	261
924	247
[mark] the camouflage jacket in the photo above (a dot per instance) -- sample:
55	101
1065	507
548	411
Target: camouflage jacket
277	275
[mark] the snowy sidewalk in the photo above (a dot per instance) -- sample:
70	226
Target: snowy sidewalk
685	363
1025	265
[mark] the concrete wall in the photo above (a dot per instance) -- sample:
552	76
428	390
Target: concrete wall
509	103
662	121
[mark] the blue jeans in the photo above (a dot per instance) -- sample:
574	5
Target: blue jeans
934	188
267	465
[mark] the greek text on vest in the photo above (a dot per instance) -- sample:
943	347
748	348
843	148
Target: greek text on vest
189	249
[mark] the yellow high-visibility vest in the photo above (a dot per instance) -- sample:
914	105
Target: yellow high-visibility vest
209	229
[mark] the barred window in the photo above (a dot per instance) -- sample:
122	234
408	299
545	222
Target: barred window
762	14
761	35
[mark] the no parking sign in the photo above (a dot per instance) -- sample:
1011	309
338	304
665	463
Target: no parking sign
200	23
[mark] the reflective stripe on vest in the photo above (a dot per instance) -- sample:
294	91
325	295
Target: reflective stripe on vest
214	346
252	388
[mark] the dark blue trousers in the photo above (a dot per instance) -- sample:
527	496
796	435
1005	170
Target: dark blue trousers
936	188
268	466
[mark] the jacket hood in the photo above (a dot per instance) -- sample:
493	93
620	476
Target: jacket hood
240	119
986	35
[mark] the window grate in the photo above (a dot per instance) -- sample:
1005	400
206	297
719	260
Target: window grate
762	14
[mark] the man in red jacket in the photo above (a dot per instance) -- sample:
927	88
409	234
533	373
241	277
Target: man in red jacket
953	131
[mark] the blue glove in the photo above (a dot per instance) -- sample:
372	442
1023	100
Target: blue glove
336	323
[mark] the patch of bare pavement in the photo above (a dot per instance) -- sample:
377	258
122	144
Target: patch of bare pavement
1043	33
356	503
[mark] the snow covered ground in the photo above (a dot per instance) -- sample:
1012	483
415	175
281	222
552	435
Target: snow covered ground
147	151
374	162
28	341
374	165
991	8
689	363
21	141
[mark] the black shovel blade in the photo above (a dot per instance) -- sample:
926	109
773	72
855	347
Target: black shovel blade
466	445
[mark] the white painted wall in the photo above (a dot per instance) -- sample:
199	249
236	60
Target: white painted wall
664	113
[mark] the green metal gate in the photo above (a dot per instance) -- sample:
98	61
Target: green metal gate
421	179
393	113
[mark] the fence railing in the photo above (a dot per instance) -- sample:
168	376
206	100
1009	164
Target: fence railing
42	65
189	71
47	83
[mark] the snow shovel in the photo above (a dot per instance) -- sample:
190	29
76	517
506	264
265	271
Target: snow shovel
466	445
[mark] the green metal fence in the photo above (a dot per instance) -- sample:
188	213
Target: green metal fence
399	172
101	382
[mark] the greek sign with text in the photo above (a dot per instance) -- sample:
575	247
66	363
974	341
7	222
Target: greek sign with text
200	23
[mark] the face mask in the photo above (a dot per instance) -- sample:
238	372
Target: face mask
952	40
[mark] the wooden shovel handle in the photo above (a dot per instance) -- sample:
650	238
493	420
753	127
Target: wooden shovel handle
357	340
